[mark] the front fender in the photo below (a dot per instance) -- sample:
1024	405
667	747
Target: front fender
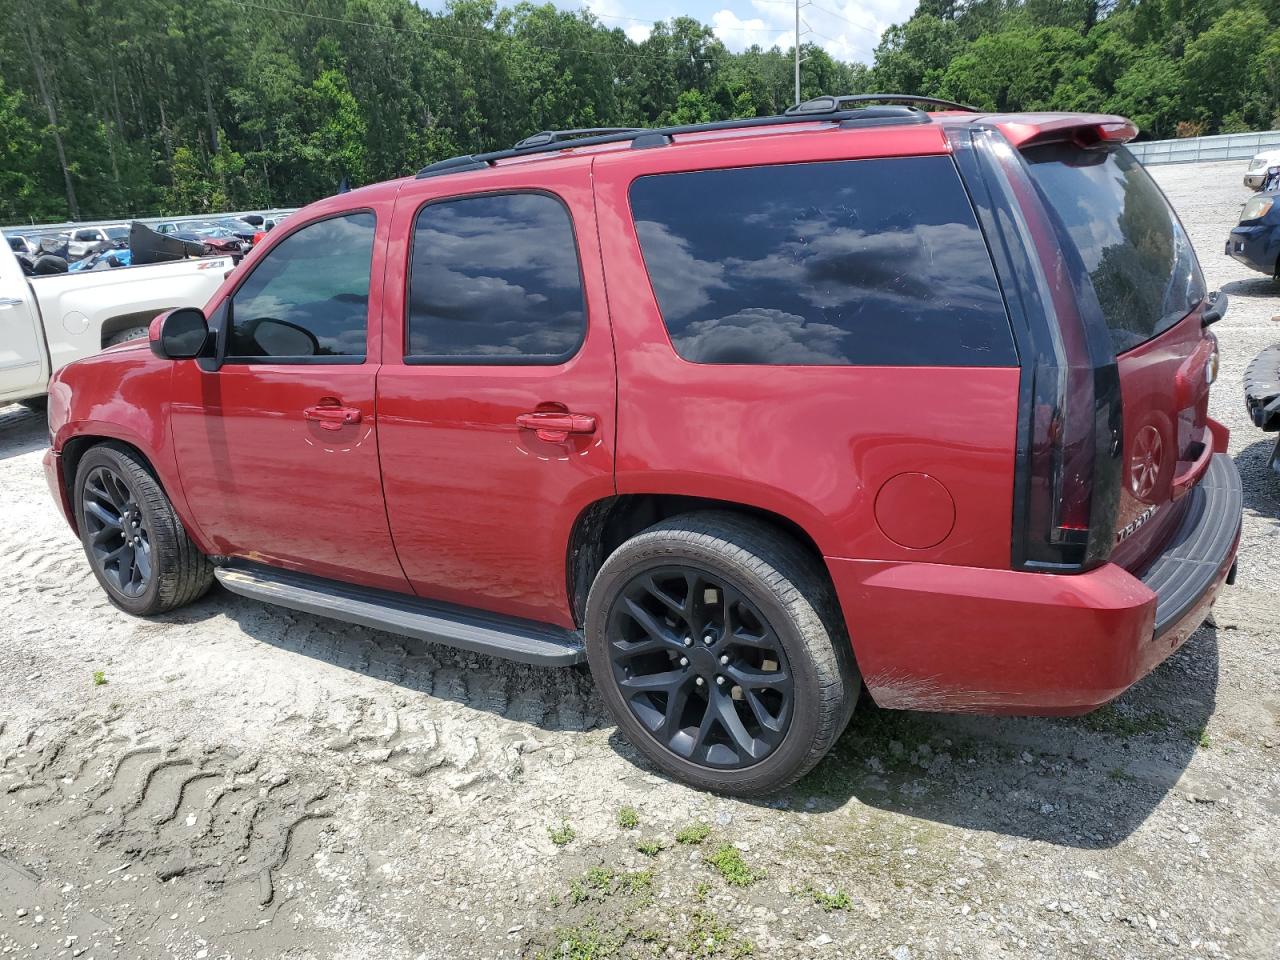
120	395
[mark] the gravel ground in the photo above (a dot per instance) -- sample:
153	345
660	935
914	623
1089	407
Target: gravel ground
240	781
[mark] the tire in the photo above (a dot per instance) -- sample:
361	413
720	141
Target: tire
36	404
49	264
176	573
736	570
124	336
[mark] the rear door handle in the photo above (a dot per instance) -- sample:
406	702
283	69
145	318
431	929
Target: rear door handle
332	416
555	427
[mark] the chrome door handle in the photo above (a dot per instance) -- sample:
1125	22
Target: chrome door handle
6	302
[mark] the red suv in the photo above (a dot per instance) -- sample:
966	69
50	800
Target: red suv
747	415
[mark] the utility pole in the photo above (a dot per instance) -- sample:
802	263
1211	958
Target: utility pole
797	51
799	59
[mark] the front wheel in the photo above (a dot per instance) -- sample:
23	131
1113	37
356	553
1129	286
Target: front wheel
124	336
720	653
136	545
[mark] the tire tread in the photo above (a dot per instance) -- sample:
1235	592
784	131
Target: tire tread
783	567
185	573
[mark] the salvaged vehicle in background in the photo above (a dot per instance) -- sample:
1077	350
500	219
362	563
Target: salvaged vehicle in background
217	237
1262	395
47	321
1255	242
1256	173
86	240
745	414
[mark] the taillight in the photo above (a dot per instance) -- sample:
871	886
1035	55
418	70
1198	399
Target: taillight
1069	513
1068	475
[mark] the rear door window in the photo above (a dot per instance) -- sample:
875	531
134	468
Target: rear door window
871	262
494	278
1136	252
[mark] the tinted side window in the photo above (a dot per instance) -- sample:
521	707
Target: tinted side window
308	299
1139	258
874	262
494	279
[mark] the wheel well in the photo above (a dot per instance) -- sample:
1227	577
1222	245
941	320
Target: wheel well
114	325
606	524
73	452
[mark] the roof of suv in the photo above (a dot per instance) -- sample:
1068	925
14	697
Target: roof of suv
873	131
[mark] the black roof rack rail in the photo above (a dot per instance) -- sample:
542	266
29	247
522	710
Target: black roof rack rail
558	136
832	111
828	104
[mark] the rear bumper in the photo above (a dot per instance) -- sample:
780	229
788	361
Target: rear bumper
966	639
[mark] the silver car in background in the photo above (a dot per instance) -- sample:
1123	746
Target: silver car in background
1257	171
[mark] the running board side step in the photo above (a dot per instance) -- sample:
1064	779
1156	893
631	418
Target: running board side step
477	631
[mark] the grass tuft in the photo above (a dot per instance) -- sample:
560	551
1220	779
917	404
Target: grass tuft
99	678
694	833
562	835
839	900
649	846
728	861
628	818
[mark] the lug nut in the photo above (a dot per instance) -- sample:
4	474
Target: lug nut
684	661
698	681
724	659
688	641
719	681
708	639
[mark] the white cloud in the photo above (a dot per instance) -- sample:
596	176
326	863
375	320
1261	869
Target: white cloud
847	30
735	33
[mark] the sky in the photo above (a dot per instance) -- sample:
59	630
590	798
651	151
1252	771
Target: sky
848	31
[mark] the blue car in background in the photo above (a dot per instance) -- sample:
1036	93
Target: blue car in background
1255	242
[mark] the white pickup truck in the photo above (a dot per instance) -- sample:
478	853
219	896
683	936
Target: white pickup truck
48	321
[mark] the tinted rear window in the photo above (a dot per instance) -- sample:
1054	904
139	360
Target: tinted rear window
494	279
873	262
1133	247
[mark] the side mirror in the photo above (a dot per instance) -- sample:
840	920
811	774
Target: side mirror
180	334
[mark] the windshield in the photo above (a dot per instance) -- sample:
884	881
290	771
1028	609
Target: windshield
116	233
1138	256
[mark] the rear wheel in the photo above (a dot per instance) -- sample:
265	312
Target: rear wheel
136	545
718	649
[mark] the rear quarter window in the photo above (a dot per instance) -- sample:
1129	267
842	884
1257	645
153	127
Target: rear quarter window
871	262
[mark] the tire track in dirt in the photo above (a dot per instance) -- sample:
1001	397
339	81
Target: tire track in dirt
208	813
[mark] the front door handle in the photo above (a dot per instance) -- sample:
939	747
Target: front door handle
7	302
331	415
555	427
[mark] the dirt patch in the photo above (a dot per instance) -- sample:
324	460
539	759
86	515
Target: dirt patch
236	780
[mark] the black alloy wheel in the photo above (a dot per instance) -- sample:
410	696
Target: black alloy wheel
116	530
700	667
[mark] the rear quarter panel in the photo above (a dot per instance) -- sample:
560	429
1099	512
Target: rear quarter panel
815	444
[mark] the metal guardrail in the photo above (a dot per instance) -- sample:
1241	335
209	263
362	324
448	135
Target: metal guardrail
1226	146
